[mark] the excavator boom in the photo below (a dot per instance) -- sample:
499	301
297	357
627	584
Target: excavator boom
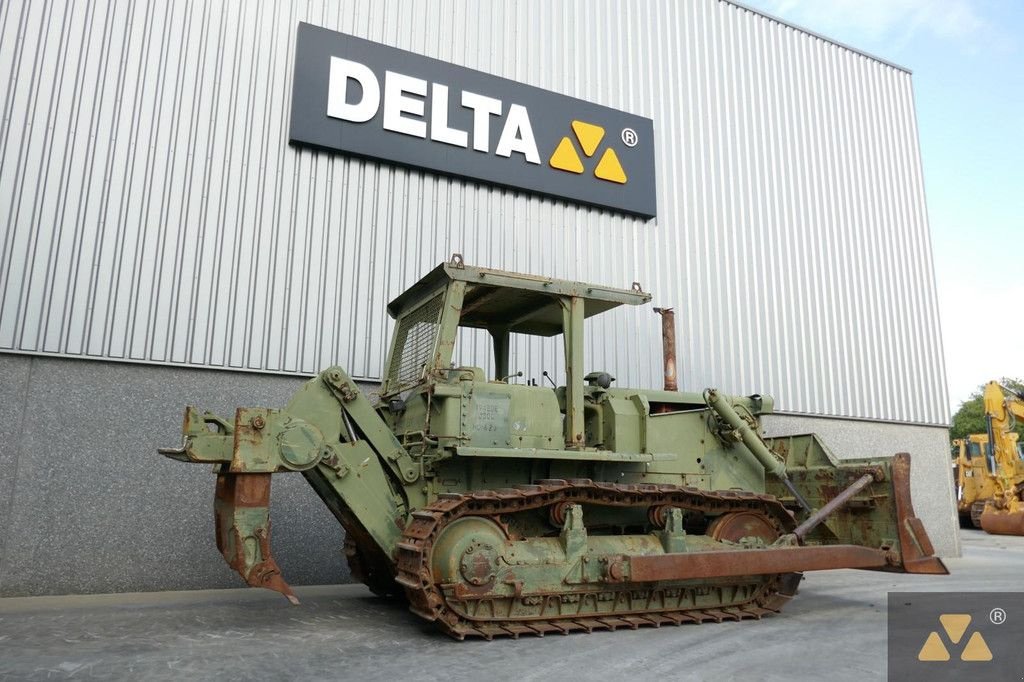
1004	512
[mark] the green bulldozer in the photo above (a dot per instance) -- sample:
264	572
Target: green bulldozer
500	508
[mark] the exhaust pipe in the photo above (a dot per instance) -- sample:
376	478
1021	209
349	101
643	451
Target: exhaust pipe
668	343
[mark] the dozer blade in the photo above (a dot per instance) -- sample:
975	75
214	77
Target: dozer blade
1002	521
862	502
916	555
242	513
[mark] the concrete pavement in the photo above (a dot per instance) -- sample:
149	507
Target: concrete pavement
834	628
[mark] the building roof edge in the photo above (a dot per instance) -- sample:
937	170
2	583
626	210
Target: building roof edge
808	31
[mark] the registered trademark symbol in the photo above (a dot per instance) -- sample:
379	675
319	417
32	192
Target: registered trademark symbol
629	137
997	616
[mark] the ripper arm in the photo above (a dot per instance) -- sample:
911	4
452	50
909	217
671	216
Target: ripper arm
340	444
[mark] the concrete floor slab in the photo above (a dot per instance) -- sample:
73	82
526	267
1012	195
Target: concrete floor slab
835	628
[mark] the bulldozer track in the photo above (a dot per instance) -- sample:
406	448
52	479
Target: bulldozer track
976	511
590	607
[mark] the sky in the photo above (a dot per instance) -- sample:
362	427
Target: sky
967	58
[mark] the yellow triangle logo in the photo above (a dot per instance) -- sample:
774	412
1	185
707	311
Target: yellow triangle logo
565	157
976	649
933	649
609	168
589	136
955	625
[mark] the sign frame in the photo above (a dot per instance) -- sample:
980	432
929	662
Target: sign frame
552	119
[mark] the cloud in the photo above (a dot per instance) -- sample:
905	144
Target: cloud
886	21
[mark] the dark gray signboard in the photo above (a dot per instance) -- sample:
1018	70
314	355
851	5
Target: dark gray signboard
956	636
359	97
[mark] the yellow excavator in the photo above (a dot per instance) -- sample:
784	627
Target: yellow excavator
974	485
997	475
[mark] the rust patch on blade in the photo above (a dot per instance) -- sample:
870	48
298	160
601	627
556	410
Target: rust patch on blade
916	548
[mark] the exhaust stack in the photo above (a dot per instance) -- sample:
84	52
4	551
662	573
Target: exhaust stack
668	342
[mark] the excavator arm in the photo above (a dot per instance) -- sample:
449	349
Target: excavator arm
339	444
1004	514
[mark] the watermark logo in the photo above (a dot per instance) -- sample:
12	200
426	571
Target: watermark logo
955	636
954	625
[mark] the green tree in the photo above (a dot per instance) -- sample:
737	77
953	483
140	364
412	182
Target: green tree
970	418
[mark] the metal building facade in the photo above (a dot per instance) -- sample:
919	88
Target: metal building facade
152	210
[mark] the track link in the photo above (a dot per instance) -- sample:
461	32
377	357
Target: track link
635	605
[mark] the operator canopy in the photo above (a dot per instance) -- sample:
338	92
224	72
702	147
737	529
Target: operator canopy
521	304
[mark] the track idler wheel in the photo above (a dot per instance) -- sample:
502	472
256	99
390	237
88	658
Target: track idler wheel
467	552
736	527
479	563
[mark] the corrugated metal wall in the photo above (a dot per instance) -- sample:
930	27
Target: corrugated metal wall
153	211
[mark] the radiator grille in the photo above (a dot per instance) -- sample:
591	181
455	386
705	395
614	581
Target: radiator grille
416	339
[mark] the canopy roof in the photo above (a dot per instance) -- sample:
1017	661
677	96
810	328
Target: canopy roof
522	304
